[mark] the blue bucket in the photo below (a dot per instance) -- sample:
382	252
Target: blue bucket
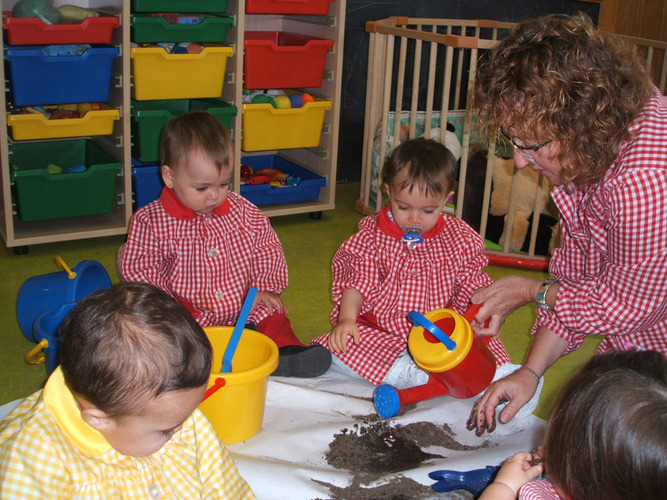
45	328
46	293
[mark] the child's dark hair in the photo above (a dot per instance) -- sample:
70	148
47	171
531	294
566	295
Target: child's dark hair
123	345
428	165
194	131
605	436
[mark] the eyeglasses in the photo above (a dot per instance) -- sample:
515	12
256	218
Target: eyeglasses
521	149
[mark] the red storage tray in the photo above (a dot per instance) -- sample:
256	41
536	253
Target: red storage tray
32	31
282	60
317	7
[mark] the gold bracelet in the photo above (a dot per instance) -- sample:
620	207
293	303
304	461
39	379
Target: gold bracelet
524	367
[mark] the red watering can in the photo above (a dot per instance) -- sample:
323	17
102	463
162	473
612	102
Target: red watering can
443	344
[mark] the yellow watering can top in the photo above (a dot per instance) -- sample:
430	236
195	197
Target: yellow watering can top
431	354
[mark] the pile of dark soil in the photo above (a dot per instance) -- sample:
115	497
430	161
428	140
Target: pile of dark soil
372	451
376	448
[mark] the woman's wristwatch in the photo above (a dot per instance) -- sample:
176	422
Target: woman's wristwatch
541	298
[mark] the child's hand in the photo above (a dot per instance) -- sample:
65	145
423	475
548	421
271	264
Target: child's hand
340	332
271	301
517	471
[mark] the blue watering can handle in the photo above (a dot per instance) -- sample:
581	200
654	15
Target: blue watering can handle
419	320
238	329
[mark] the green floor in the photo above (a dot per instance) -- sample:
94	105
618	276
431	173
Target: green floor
309	246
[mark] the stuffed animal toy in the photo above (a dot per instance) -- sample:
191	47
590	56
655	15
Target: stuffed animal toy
530	189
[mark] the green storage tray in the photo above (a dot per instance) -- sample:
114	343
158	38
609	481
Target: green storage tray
213	6
148	119
147	29
41	195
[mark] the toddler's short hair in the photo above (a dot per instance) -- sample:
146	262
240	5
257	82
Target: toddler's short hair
428	165
194	131
124	345
605	436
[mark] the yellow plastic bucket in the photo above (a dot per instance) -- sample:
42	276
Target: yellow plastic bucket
236	409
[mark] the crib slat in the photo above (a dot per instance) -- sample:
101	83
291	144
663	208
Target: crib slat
446	90
369	118
467	122
414	103
372	116
400	84
386	96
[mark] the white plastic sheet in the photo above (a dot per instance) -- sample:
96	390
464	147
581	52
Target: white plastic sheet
286	459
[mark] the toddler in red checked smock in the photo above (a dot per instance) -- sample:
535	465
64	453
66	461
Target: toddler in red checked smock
408	257
206	245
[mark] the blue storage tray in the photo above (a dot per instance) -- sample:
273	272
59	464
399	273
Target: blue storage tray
37	79
264	194
147	183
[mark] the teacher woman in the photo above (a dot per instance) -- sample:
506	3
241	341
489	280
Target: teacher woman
578	107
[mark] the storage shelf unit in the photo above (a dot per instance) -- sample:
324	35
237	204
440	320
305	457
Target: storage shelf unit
17	233
320	160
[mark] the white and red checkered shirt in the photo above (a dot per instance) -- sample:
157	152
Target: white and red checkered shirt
538	489
442	271
206	261
612	263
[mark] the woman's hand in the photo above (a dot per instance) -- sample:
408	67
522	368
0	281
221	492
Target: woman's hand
338	336
516	389
499	300
271	301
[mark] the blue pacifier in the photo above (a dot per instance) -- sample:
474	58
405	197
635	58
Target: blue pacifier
412	238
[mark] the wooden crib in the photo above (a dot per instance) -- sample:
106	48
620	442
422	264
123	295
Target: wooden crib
421	74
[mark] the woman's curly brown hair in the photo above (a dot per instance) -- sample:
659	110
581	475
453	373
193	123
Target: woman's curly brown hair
559	78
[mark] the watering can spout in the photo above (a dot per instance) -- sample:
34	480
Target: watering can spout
388	400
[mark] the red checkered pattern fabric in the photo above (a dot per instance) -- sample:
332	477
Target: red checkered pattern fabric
538	489
206	261
612	263
394	280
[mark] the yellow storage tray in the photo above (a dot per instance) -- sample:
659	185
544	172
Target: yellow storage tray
266	128
159	75
25	127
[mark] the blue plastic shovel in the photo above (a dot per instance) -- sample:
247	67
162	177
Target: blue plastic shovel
474	481
238	329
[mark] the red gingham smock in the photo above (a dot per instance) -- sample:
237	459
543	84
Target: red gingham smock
442	271
206	261
538	489
612	263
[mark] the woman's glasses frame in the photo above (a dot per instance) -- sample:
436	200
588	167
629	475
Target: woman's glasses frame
522	149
